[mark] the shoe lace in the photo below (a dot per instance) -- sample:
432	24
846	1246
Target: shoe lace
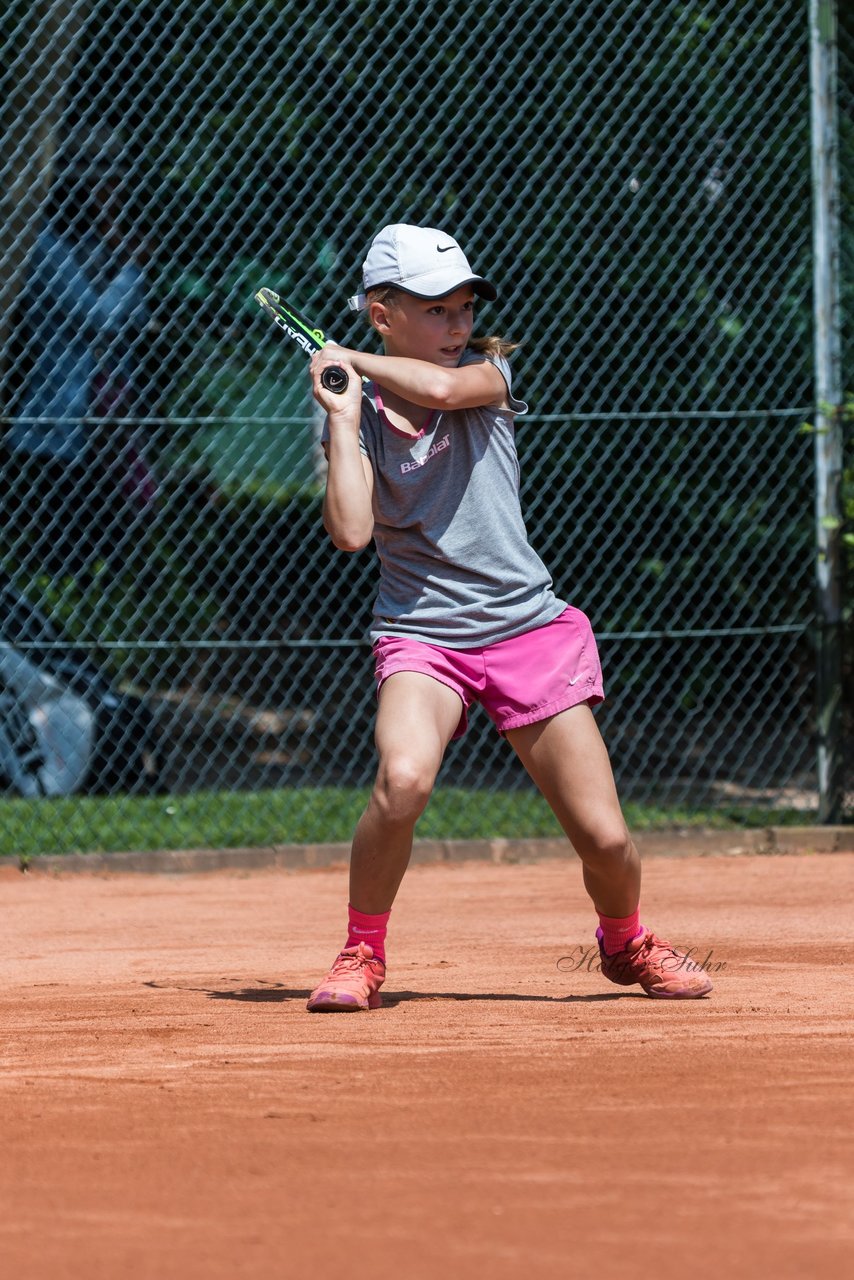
349	964
667	956
653	943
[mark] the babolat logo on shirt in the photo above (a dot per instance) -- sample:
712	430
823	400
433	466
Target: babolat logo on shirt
439	445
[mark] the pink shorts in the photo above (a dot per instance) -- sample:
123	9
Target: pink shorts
518	681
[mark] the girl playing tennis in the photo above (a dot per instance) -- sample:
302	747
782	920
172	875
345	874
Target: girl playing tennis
422	459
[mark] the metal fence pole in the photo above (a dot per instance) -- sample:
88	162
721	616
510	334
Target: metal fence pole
828	394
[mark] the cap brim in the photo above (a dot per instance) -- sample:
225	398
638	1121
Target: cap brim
482	288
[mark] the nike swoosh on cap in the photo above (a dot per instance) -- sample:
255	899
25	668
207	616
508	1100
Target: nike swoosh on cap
447	248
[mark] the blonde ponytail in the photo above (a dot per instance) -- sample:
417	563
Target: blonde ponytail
493	346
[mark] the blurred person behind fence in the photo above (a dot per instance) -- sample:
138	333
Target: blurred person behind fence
77	485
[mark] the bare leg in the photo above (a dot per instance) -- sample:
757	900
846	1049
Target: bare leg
567	759
416	718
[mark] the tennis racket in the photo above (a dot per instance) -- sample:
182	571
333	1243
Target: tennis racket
333	378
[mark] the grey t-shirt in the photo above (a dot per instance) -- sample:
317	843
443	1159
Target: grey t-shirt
456	568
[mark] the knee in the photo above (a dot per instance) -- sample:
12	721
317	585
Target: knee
606	845
403	788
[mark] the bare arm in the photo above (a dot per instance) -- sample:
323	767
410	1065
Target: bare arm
347	504
430	385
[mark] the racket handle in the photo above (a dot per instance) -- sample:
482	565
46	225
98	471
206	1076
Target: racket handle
334	379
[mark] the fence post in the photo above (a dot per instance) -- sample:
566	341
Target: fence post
828	412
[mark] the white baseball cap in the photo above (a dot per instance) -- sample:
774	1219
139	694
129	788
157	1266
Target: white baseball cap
419	260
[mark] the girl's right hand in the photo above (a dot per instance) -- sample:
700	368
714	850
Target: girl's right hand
345	404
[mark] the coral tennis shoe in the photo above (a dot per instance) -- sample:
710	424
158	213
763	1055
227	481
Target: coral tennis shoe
353	983
659	968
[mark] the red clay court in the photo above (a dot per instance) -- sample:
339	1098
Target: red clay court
170	1109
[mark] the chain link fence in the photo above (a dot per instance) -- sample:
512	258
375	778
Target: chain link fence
178	635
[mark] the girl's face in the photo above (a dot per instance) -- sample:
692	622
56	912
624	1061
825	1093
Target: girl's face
432	329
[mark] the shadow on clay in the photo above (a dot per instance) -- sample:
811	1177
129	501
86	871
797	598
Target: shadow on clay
273	993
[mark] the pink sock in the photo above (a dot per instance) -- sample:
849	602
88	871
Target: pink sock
370	929
615	933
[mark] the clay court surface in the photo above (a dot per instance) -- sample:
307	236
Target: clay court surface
169	1109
